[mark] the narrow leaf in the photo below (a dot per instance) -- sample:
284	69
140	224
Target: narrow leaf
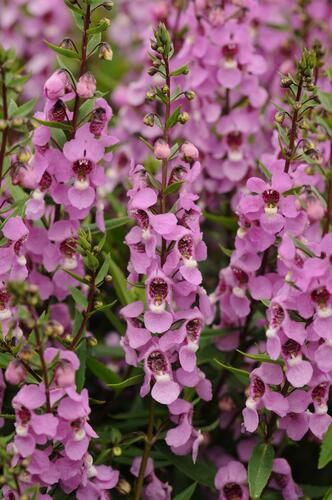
325	455
63	52
260	468
78	297
102	372
241	374
129	382
187	493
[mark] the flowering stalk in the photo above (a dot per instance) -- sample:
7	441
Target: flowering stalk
165	246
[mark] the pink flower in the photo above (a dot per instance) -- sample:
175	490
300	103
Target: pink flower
86	86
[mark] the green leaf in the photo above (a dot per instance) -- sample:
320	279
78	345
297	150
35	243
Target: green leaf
226	251
301	246
187	493
172	120
78	297
63	126
319	196
94	40
260	468
326	100
325	455
173	188
201	472
183	70
120	283
103	270
146	142
110	224
327	496
265	171
242	375
228	222
102	372
80	374
76	277
262	358
63	52
5	359
129	382
313	491
25	109
99	28
74	7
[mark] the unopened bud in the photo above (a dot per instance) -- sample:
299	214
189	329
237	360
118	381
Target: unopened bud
150	95
286	82
165	89
86	85
149	120
183	118
17	122
108	5
105	52
68	339
24	154
152	71
108	278
190	95
279	117
92	341
26	353
117	451
67	43
3	124
123	487
161	150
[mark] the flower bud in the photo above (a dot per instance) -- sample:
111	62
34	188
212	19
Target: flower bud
162	150
86	86
190	152
15	372
67	43
17	122
105	52
183	118
123	487
3	124
149	120
150	95
279	117
92	341
24	154
56	86
108	5
286	82
117	451
64	375
190	95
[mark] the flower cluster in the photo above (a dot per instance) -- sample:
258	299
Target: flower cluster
41	20
165	248
281	257
59	418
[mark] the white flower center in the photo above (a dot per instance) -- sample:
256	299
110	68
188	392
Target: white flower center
81	184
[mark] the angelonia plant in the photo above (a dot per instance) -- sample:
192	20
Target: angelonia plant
165	249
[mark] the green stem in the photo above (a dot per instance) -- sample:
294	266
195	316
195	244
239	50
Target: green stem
86	314
87	21
149	440
5	117
293	132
